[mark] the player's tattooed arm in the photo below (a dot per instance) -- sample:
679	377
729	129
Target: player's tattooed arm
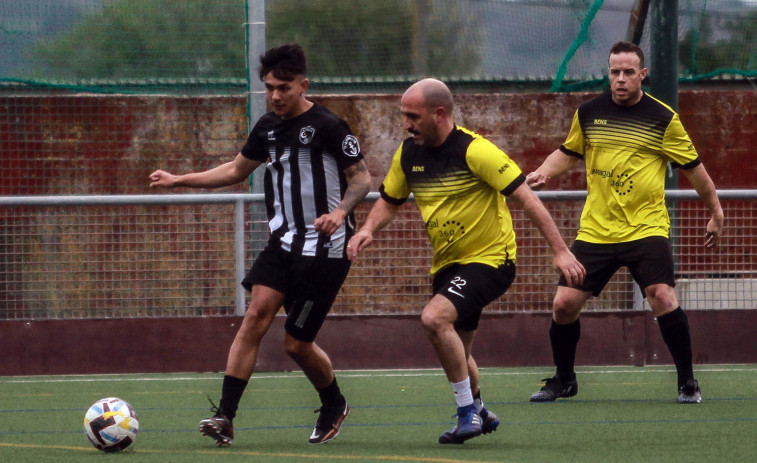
358	185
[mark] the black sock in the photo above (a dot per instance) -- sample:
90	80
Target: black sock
674	327
564	339
231	394
331	395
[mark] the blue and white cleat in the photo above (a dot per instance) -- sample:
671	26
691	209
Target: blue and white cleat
469	425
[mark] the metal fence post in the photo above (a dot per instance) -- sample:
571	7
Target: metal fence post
239	261
638	297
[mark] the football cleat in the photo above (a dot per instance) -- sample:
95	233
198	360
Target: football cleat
690	393
490	421
218	427
329	421
554	388
469	425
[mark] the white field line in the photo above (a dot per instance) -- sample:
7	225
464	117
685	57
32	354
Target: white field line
359	374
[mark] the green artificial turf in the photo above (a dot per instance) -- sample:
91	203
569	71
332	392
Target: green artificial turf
621	414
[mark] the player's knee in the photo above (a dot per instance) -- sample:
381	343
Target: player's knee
662	298
254	320
429	321
297	349
438	315
433	322
565	310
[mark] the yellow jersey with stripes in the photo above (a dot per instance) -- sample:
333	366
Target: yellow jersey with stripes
460	188
627	150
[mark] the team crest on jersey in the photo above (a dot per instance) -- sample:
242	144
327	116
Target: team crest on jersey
306	135
271	136
350	146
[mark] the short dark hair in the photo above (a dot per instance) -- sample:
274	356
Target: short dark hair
286	62
627	47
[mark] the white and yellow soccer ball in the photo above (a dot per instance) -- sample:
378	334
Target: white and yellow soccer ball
111	424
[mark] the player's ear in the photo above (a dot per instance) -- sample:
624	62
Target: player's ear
304	83
643	73
440	113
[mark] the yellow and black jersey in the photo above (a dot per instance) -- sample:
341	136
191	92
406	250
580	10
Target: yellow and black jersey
459	188
626	149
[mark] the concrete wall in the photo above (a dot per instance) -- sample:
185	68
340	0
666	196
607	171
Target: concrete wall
108	144
722	125
102	346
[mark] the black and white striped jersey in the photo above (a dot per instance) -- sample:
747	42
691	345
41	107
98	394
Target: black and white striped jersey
304	177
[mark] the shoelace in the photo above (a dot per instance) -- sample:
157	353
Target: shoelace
552	381
322	418
327	414
213	407
457	414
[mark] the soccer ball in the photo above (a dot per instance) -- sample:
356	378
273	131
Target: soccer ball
111	424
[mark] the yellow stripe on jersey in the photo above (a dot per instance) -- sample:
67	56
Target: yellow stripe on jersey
457	188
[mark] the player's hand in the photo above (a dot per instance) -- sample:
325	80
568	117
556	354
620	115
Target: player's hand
536	180
330	223
567	264
714	227
161	178
357	243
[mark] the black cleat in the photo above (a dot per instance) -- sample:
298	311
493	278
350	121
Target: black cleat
690	393
218	427
329	421
554	389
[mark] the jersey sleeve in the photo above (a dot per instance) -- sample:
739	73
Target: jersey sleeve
677	146
574	144
255	147
395	189
342	144
493	166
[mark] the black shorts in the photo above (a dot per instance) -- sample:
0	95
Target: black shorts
309	284
650	261
471	287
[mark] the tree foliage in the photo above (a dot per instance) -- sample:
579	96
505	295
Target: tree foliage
151	38
199	38
378	38
720	44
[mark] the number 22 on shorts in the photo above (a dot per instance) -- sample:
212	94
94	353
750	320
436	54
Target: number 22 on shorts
456	285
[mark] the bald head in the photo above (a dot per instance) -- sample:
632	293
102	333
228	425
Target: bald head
433	93
427	112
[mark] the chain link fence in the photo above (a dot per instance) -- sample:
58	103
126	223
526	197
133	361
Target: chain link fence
70	257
